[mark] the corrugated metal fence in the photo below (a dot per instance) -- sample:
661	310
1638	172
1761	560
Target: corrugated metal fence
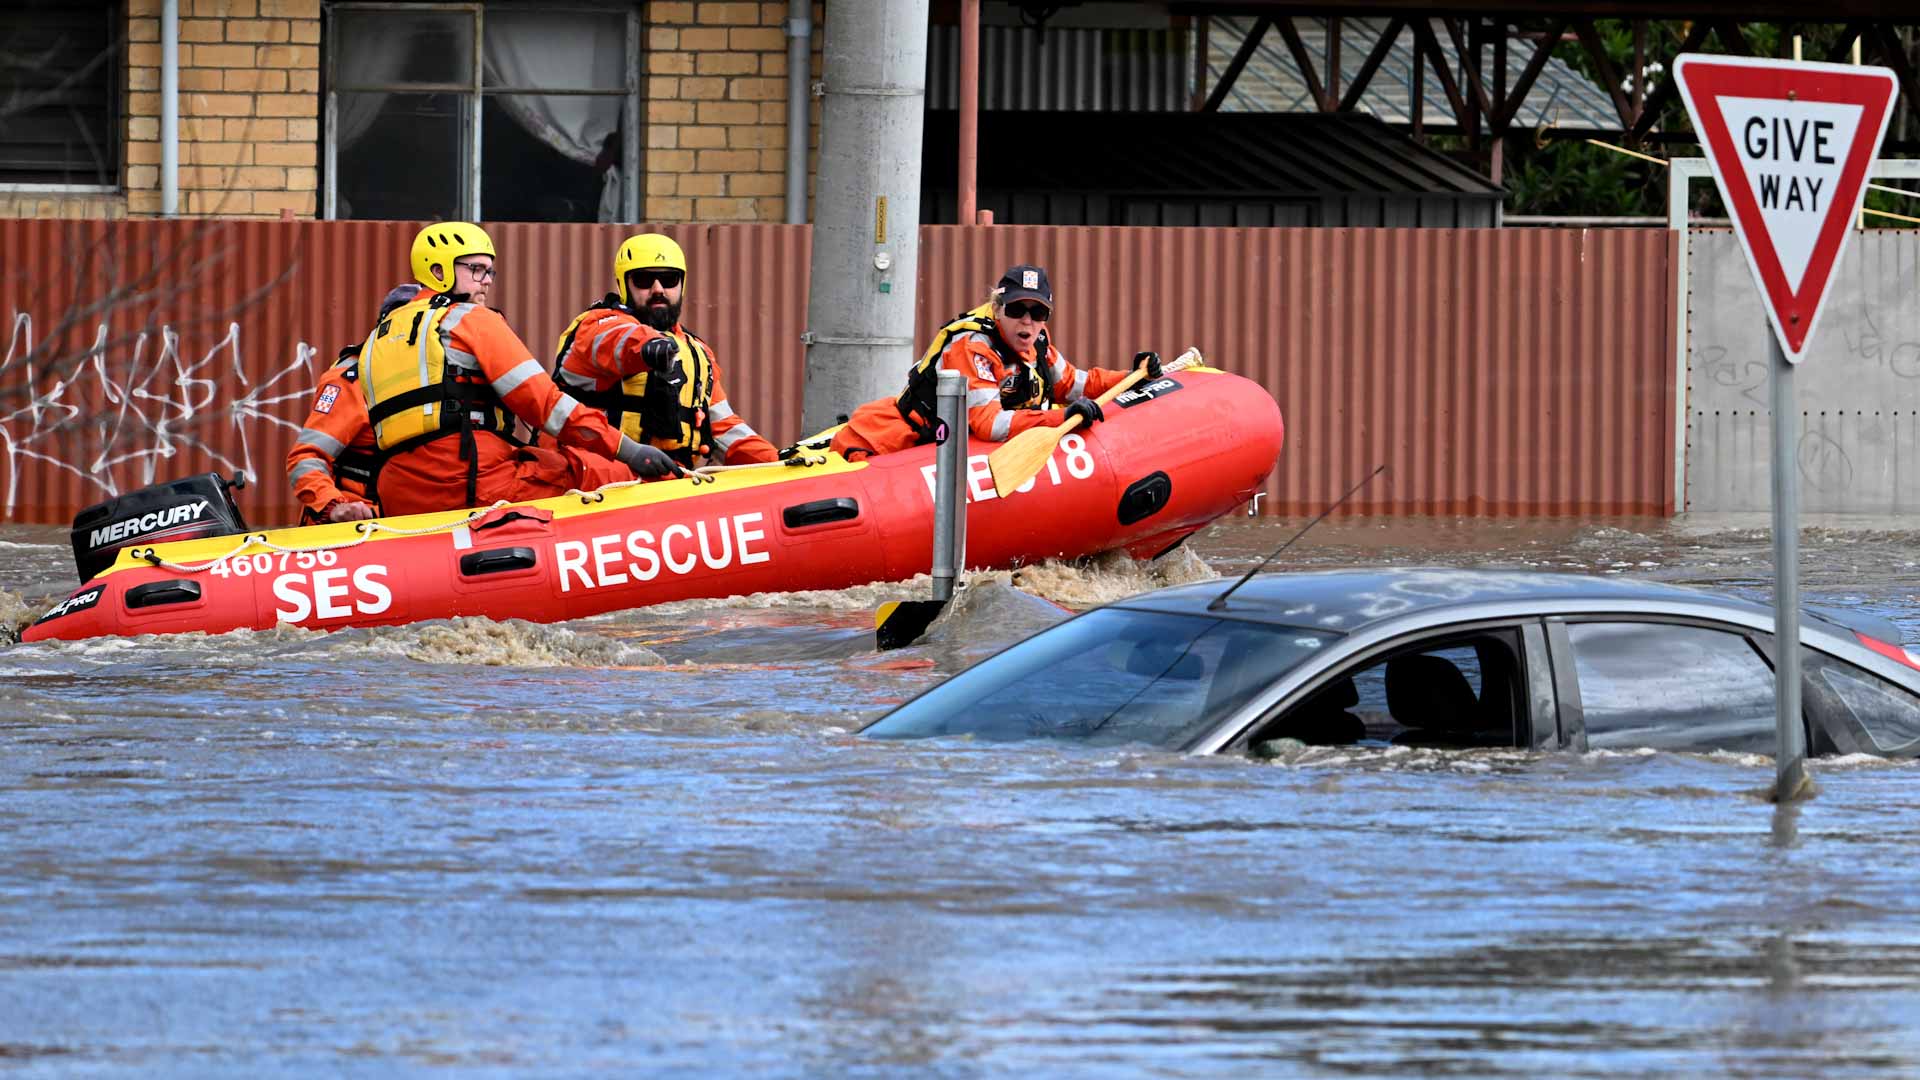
1497	372
1502	372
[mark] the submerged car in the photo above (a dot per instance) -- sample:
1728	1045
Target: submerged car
1431	657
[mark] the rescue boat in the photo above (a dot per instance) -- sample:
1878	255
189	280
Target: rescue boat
1172	455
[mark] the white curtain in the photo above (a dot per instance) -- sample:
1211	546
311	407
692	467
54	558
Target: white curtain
563	50
369	54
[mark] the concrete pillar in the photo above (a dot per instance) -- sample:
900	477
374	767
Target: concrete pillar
866	220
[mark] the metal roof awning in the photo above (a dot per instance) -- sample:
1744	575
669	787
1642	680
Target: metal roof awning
1115	168
1271	80
1235	154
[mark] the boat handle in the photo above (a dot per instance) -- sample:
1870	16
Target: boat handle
820	512
155	593
496	561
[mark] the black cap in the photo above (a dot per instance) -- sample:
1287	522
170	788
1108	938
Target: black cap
1024	283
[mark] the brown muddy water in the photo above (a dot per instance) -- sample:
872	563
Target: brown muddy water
650	843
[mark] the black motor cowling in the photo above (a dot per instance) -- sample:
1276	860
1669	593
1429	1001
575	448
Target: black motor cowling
160	513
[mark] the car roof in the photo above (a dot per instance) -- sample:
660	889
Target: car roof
1348	601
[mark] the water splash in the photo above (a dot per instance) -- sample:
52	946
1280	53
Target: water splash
15	615
1077	584
476	640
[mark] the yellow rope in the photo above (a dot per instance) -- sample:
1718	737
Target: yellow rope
1889	214
703	475
798	461
1662	162
365	529
1864	210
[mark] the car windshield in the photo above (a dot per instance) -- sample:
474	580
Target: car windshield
1110	676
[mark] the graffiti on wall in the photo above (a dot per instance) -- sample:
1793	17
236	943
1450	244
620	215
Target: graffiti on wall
120	416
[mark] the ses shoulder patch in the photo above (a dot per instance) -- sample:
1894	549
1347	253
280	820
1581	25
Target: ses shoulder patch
328	395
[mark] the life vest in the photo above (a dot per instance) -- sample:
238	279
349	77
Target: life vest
671	411
419	389
1027	384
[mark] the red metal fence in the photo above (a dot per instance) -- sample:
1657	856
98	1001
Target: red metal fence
1499	372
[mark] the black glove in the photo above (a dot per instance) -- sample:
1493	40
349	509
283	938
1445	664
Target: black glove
1152	360
1087	409
659	352
649	462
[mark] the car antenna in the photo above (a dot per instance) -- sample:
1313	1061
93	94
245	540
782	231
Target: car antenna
1220	601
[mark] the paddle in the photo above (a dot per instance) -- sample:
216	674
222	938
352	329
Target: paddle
1021	458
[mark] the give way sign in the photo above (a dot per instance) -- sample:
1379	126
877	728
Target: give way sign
1790	145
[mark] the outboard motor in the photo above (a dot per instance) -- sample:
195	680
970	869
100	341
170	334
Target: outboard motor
160	513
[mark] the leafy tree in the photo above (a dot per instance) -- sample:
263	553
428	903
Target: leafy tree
1572	176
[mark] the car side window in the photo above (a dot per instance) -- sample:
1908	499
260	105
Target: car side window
1673	687
1459	692
1858	711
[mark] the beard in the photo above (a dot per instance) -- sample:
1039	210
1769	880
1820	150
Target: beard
661	315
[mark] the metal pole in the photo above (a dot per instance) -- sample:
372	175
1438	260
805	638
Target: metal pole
799	103
969	109
950	485
170	107
866	206
1790	757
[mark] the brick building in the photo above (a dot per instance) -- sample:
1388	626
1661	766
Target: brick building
344	109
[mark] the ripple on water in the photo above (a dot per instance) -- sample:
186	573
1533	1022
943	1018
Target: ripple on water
694	863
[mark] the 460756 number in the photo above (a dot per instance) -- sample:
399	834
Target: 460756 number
267	562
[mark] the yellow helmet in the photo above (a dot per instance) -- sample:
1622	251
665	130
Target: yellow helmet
645	251
437	245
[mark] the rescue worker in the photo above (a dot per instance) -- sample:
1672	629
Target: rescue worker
656	380
1016	378
331	463
443	378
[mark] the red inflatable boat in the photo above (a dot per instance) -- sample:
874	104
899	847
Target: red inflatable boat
1172	456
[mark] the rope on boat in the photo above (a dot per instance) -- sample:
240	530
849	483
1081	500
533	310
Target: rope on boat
365	529
798	461
706	474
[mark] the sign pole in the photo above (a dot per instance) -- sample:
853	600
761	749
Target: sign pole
1790	146
1790	757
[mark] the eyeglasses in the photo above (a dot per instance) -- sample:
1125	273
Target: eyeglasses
1037	312
480	271
645	279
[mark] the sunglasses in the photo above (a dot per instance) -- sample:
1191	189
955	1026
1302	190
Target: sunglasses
646	279
1037	312
480	271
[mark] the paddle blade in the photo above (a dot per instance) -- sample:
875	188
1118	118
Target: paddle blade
1021	458
900	623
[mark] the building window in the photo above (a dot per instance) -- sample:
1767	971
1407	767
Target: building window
503	112
60	93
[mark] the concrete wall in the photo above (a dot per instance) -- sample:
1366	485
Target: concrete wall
1858	387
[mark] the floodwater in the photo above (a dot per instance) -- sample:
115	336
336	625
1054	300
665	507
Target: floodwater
650	844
